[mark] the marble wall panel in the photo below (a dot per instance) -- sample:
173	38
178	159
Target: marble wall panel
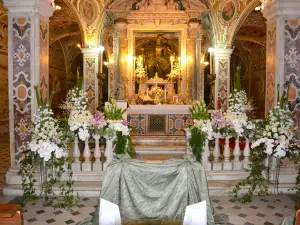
292	64
177	122
223	80
271	66
44	58
138	122
20	83
90	82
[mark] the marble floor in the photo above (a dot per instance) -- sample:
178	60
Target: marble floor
261	211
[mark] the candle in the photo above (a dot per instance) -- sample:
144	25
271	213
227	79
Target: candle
101	59
171	60
147	92
165	93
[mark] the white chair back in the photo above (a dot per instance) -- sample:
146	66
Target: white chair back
109	213
196	214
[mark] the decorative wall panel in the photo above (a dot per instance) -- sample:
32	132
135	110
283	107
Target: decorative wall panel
138	121
44	58
20	83
271	66
177	122
90	81
292	63
223	80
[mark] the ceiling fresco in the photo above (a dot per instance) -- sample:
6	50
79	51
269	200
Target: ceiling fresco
63	22
253	29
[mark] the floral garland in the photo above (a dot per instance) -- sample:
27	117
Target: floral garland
47	149
200	128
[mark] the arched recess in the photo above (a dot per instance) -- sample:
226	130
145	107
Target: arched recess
250	7
249	44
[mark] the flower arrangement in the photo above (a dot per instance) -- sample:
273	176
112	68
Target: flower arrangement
175	73
80	117
117	128
156	91
201	128
273	138
47	149
140	73
277	131
98	124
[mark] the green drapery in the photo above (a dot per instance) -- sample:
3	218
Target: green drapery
155	193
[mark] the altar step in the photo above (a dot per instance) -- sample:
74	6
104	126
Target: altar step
156	149
159	140
93	188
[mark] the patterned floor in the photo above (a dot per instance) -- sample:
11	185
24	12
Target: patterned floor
262	211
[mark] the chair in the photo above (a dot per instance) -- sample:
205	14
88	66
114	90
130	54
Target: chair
297	218
11	214
109	213
196	214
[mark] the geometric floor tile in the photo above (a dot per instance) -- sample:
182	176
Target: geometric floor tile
261	211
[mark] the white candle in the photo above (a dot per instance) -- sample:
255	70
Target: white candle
101	62
165	93
210	62
171	60
147	92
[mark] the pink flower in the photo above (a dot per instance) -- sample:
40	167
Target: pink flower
124	122
54	140
98	120
218	117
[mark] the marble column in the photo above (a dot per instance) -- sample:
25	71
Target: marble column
90	80
120	48
222	71
283	52
193	59
200	81
28	65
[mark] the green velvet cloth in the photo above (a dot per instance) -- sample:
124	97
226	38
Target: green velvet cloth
154	193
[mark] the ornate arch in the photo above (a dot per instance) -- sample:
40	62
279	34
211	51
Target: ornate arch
243	16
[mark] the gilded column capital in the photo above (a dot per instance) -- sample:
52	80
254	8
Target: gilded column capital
194	31
121	29
275	8
43	7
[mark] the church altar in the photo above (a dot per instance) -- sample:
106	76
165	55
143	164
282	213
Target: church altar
158	119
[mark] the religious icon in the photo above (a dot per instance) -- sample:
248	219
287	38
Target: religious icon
228	11
88	10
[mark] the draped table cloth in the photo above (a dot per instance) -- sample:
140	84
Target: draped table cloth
155	193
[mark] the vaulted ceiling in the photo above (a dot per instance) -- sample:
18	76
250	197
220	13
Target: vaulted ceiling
63	22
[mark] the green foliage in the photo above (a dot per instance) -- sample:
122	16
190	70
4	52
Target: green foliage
43	102
197	142
255	182
56	169
123	144
27	170
199	111
112	112
237	79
